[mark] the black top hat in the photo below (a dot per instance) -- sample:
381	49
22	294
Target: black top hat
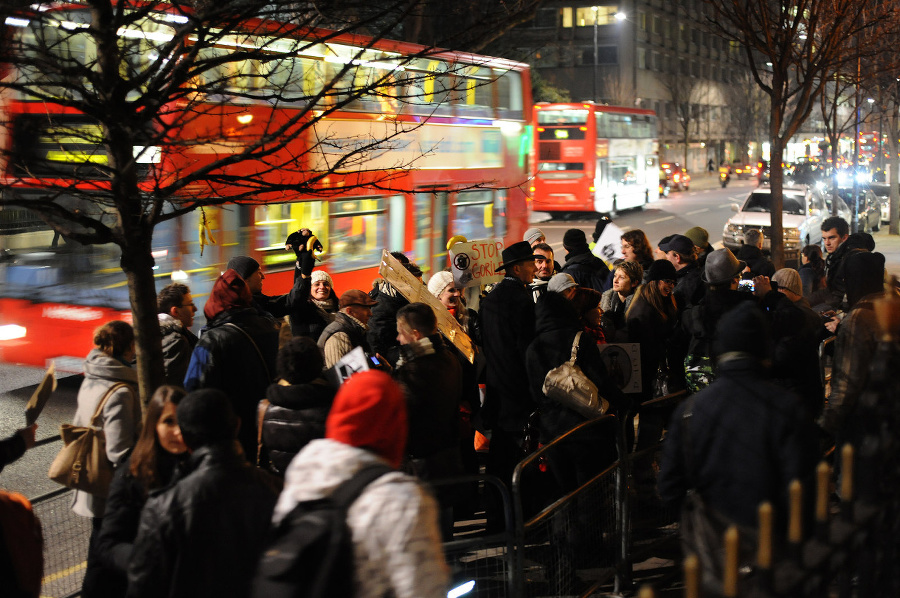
515	253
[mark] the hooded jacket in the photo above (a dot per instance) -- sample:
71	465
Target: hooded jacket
749	439
235	353
588	270
396	543
177	344
295	416
120	418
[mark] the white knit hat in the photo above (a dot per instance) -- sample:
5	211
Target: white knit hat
438	282
318	275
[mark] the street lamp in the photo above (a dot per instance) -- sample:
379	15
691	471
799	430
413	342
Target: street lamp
596	10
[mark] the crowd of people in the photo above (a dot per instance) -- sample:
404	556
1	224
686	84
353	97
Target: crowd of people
249	425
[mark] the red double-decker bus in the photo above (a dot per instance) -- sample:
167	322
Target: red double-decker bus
594	158
467	141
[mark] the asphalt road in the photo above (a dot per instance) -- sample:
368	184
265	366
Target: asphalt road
708	208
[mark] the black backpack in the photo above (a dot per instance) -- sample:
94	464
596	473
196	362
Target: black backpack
310	552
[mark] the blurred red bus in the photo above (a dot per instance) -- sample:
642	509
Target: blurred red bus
54	292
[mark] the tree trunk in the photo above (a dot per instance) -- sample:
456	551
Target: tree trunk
894	177
776	183
138	266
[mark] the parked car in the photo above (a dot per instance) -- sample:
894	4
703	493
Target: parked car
678	177
804	210
883	192
869	208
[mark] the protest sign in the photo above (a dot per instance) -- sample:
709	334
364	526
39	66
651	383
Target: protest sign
474	263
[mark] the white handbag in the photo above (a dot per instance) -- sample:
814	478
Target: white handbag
568	386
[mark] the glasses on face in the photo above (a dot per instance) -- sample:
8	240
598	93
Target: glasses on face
669	282
191	304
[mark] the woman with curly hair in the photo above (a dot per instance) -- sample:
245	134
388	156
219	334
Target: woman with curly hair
636	248
626	278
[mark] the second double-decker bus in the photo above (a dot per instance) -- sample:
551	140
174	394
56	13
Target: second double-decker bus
594	158
465	141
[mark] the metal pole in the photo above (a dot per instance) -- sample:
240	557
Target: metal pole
596	51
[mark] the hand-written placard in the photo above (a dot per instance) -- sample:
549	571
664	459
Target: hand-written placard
474	263
609	246
414	291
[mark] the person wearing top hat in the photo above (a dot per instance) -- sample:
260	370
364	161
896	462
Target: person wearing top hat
507	328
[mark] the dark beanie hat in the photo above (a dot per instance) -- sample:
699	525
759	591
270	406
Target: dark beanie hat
574	239
861	241
743	329
661	270
206	417
245	266
865	274
600	227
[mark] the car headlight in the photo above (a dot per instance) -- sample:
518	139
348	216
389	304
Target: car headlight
732	229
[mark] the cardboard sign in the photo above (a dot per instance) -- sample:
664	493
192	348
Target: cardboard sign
474	263
623	364
415	292
609	246
41	395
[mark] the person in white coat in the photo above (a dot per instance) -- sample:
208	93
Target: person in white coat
107	365
394	522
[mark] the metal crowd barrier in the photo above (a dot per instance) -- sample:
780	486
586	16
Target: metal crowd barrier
66	537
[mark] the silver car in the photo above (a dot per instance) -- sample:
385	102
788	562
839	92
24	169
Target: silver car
804	210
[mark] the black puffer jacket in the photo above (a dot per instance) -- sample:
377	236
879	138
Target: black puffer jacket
588	270
382	332
307	317
689	287
556	327
296	415
203	536
226	359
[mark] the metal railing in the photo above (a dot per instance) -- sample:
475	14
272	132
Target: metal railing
66	537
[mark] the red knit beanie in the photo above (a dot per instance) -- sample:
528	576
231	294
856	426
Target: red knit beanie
369	411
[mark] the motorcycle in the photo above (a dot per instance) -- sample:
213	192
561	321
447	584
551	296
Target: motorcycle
724	178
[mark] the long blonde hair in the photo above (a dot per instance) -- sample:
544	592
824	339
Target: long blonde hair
650	293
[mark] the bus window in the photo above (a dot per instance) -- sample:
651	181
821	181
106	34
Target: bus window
621	171
358	233
509	94
397	233
560	166
274	222
430	246
474	215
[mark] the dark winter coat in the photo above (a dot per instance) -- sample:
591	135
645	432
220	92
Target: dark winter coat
556	326
382	333
226	359
700	321
431	378
759	264
177	344
295	415
613	318
588	270
749	439
203	536
307	317
795	362
11	449
689	287
127	497
646	326
507	328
